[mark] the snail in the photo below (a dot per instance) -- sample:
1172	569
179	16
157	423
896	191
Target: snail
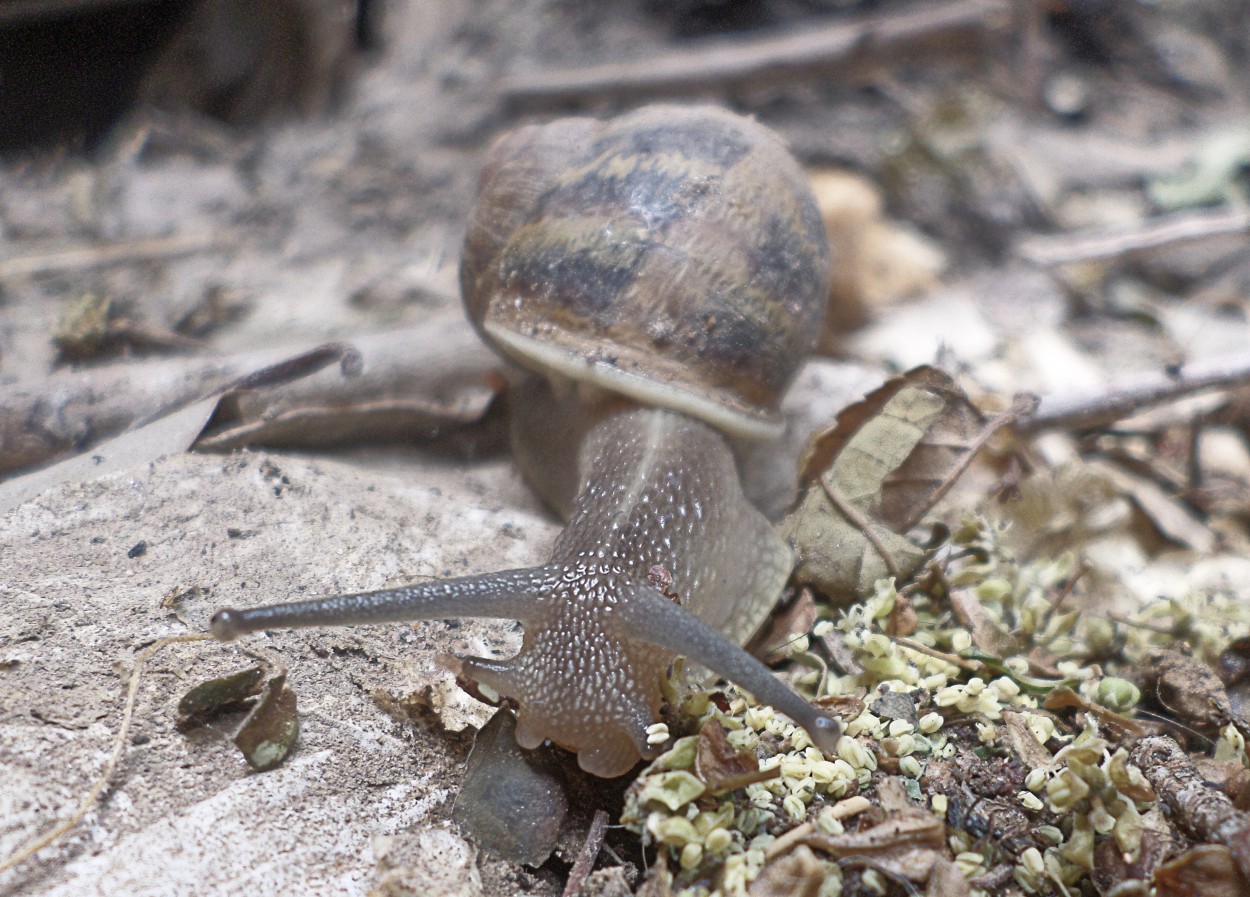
666	271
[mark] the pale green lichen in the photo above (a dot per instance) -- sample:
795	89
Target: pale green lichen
1085	791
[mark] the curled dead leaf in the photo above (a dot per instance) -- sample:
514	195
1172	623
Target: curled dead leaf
876	472
268	732
986	632
219	695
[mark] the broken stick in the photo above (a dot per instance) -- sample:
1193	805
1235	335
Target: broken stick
1202	811
1128	396
762	60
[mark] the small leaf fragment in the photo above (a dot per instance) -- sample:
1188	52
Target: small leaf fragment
269	731
723	767
986	632
512	801
672	789
797	874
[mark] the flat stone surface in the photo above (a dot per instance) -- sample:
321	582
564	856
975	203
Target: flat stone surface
184	814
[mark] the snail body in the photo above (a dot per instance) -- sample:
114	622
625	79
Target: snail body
672	257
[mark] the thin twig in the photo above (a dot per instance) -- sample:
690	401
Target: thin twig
1081	411
1065	592
586	856
119	743
718	63
1084	246
1139	624
971	666
96	255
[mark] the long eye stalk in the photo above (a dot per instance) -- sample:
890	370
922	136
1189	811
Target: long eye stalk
507	595
650	617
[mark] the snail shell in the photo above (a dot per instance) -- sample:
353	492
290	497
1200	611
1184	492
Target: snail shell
674	255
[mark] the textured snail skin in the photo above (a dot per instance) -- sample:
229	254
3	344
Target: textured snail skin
658	488
694	203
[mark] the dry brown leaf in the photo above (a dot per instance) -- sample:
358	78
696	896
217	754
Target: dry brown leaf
887	453
268	733
872	476
848	707
797	874
1022	743
219	695
774	644
1207	870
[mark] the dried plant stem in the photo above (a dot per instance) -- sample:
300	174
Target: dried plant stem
97	255
1066	592
586	856
809	51
787	841
119	744
971	666
1080	411
1085	246
1202	811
